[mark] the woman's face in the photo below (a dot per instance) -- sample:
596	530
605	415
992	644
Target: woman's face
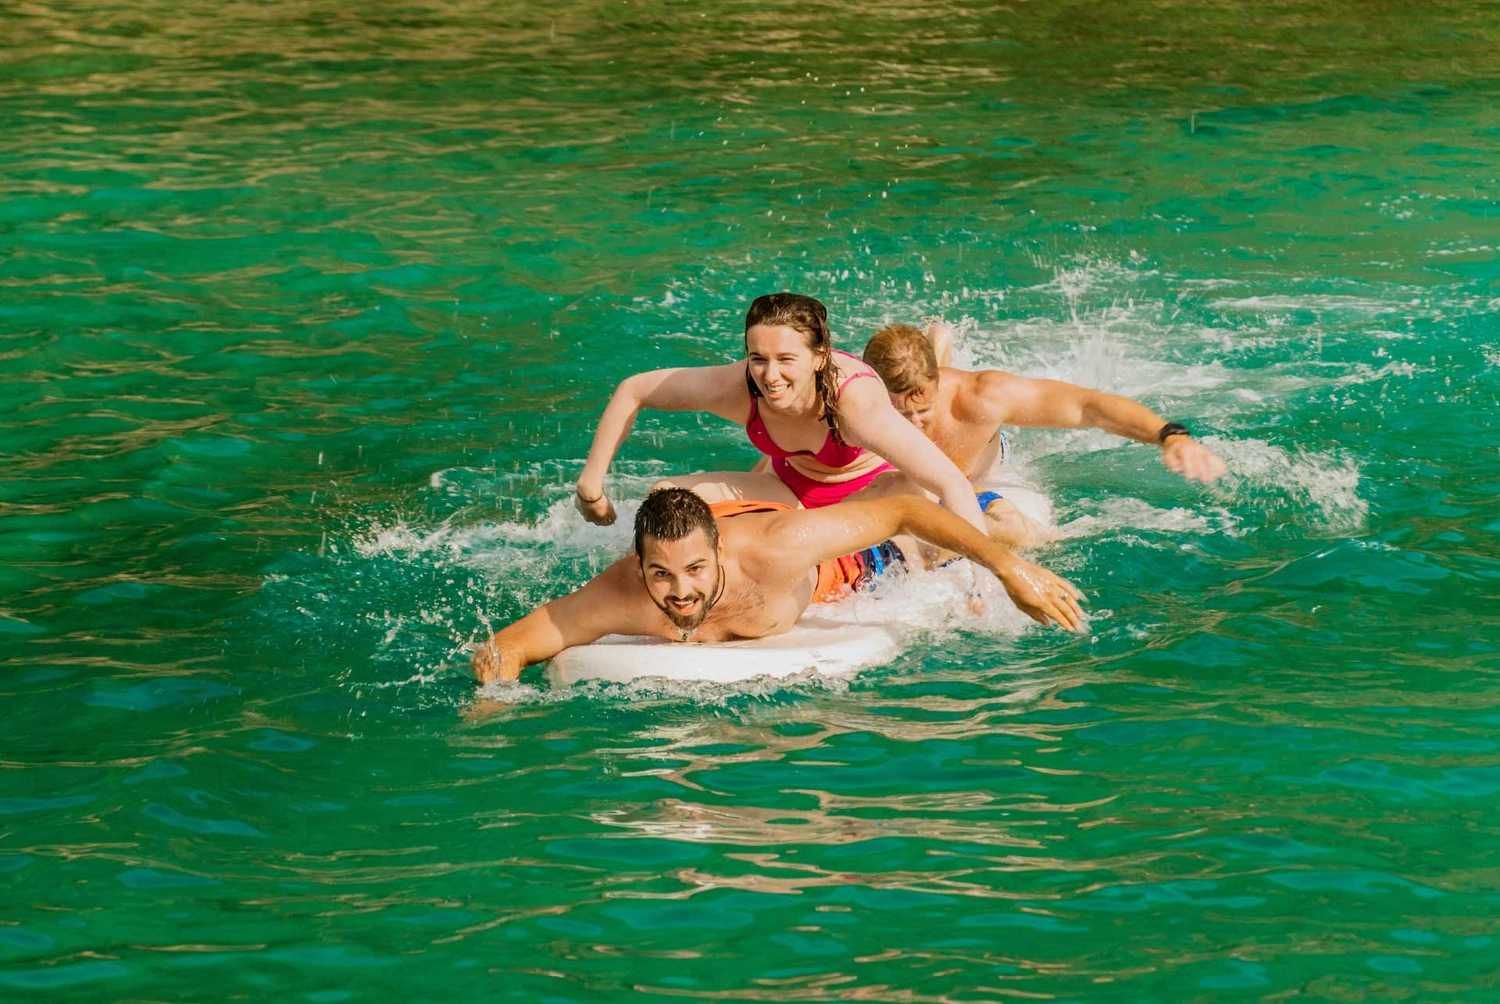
782	365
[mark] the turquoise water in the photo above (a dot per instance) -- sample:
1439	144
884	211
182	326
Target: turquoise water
306	317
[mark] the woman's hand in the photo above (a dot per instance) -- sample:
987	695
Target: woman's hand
598	510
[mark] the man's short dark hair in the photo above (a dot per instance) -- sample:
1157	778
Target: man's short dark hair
672	514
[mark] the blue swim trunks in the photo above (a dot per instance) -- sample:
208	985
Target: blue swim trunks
985	499
875	561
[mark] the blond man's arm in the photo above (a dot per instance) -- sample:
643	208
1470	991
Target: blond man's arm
1053	404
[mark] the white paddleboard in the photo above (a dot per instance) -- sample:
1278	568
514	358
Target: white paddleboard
830	647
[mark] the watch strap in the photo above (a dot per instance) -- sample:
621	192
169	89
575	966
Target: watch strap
1172	429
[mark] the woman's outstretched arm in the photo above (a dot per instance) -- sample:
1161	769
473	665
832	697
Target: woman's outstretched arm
869	420
717	389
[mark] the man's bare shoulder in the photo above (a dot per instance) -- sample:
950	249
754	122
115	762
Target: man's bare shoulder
781	547
616	593
622	578
771	544
751	533
981	395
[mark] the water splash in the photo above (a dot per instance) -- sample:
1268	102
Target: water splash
1320	490
1110	515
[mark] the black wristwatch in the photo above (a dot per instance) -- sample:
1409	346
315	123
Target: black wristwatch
1172	429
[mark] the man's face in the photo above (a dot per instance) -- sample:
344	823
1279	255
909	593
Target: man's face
917	407
682	577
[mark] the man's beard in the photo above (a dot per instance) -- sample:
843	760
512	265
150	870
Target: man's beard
688	623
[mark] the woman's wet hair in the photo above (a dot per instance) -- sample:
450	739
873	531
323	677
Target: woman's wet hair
807	315
672	514
903	357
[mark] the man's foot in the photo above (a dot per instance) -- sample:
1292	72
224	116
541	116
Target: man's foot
1010	527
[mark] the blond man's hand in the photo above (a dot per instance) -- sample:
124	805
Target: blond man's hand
1190	458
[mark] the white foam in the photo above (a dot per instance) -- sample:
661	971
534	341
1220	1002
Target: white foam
1313	302
1110	515
1084	275
560	526
1320	488
656	690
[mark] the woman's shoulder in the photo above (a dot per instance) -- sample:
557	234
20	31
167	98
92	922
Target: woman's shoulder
861	392
850	360
847	366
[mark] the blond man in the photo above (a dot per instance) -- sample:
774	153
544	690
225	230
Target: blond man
963	411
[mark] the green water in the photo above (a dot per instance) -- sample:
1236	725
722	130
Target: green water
305	317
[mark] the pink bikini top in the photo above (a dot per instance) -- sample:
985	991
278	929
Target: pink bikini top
833	453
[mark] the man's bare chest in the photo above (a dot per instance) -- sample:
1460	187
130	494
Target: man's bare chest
964	443
750	612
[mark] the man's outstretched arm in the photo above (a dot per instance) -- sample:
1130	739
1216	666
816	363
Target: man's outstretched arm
804	537
1053	404
581	617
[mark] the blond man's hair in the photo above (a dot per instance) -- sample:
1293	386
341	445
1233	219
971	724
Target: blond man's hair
903	357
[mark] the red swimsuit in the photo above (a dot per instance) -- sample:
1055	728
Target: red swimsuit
812	492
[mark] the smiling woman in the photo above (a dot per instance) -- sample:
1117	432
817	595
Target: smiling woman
830	434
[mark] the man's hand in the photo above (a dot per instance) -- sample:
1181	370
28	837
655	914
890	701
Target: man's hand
1190	458
490	664
600	511
1042	596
